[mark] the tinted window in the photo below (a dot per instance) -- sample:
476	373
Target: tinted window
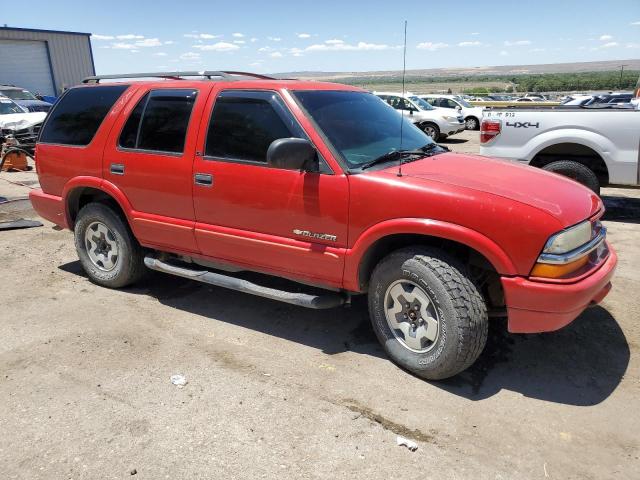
129	135
242	127
359	125
79	113
165	120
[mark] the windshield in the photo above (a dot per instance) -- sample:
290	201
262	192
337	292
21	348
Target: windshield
464	103
361	126
7	106
421	103
18	94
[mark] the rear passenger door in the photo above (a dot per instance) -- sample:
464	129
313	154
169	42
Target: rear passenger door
149	158
283	222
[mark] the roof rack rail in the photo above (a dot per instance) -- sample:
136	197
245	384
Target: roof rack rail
209	74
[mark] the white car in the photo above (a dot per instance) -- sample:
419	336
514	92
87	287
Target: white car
437	123
15	117
472	115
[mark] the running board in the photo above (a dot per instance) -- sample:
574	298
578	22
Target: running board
328	300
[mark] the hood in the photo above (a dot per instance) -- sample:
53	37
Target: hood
18	121
566	200
26	103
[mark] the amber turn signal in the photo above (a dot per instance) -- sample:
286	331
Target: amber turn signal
548	270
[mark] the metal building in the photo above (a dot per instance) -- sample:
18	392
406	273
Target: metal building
44	61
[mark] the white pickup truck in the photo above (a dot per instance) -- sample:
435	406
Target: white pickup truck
595	147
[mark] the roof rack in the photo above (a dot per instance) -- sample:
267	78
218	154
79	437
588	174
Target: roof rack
209	75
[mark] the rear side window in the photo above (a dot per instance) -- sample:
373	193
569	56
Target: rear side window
159	121
243	126
77	116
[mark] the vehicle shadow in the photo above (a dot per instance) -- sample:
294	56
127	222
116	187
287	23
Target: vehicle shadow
453	141
581	364
621	209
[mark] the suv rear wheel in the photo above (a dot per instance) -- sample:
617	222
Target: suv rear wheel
108	251
427	313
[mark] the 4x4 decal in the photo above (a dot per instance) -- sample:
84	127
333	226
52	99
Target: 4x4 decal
523	124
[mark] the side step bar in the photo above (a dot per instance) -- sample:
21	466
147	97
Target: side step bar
328	300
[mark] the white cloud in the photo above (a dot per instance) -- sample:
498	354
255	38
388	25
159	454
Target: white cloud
256	64
504	53
276	55
537	50
148	42
304	35
96	36
517	43
604	38
341	46
296	52
475	33
160	54
129	36
238	35
632	45
190	56
253	40
265	49
169	42
610	45
432	47
274	39
239	42
334	41
470	44
217	47
635	23
205	36
123	46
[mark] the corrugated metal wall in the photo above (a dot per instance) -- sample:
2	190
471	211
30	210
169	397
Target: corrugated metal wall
70	53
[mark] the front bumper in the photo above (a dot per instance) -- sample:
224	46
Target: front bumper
535	307
49	207
453	128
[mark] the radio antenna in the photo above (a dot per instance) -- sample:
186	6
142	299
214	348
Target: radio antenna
404	102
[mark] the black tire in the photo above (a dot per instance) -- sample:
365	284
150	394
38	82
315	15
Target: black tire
576	171
462	313
432	130
128	264
471	123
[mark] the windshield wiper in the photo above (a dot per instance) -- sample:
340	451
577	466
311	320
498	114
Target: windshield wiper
424	151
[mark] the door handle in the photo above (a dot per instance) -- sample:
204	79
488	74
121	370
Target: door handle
204	179
117	169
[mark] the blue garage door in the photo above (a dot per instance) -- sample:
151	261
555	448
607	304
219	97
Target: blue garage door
25	63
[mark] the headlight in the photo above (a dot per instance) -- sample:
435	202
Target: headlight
569	239
572	251
450	119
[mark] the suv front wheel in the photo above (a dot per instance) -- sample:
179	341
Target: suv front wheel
427	313
108	251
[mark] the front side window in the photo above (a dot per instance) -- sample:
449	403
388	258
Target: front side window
16	94
422	104
359	125
244	124
159	122
7	107
76	117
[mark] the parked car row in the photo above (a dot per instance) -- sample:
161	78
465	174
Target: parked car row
24	98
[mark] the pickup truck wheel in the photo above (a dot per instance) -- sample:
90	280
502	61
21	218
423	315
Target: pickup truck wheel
108	251
576	171
432	130
427	313
471	123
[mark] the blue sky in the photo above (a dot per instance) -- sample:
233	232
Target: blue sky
328	35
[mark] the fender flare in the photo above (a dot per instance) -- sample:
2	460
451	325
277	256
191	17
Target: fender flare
427	227
99	184
601	145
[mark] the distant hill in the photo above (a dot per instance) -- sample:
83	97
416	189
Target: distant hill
577	67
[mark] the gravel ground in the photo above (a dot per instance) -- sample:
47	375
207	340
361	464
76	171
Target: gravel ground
276	391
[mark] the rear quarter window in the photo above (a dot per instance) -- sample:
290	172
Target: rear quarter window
77	116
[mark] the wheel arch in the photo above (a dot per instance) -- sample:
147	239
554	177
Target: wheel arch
573	151
81	191
387	236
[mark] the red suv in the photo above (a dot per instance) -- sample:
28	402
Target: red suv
326	185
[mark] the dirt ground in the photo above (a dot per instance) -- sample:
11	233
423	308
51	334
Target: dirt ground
276	391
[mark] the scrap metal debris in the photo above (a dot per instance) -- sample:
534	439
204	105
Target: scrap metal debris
405	442
20	223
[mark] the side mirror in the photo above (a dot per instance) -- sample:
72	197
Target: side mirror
292	154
